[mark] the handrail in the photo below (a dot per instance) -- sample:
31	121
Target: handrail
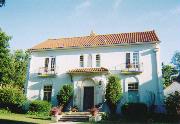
47	71
128	67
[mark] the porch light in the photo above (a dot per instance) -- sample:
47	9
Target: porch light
100	83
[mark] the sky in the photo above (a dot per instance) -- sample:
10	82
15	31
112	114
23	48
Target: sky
30	22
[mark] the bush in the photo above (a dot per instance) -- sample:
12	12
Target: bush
113	92
39	107
173	103
135	111
65	94
12	98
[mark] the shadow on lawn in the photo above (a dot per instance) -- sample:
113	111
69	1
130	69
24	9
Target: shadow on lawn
4	121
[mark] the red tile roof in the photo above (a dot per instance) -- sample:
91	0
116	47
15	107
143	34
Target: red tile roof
98	40
88	70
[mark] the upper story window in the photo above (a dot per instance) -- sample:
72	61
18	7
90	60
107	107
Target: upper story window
135	59
128	60
132	60
98	60
81	61
89	62
46	62
53	64
50	63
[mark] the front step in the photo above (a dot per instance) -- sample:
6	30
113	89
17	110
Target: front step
75	117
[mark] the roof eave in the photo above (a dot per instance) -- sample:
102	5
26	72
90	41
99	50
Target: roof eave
51	49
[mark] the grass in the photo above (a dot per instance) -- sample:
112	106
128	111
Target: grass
11	118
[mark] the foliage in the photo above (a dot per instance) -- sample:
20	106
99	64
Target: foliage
167	71
5	63
176	59
39	107
5	111
65	94
2	3
12	98
135	111
113	92
173	103
20	63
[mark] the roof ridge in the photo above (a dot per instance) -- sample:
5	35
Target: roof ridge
100	35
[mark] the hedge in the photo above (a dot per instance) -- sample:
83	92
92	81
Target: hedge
39	107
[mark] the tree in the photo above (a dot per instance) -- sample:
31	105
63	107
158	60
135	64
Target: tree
5	63
2	3
20	63
113	92
176	60
167	72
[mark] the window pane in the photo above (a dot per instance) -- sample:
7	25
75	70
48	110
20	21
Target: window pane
81	61
53	64
98	60
128	60
47	92
46	62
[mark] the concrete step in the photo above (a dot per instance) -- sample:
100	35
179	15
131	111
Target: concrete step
75	117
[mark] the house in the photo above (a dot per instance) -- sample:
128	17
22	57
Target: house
85	62
175	86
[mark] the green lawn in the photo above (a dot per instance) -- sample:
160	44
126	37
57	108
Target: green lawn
12	118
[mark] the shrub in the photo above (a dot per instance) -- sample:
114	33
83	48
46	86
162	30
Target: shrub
173	103
65	94
39	107
135	111
113	92
12	98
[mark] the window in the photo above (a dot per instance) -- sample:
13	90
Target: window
81	61
47	92
53	64
128	60
133	94
89	64
136	60
46	62
132	86
97	60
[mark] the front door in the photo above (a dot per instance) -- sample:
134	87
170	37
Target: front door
88	100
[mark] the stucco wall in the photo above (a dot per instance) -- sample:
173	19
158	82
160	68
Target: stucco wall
111	58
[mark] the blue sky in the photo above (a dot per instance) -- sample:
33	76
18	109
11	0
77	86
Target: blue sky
32	21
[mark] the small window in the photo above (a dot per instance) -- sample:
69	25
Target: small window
47	93
132	86
53	64
81	61
98	60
